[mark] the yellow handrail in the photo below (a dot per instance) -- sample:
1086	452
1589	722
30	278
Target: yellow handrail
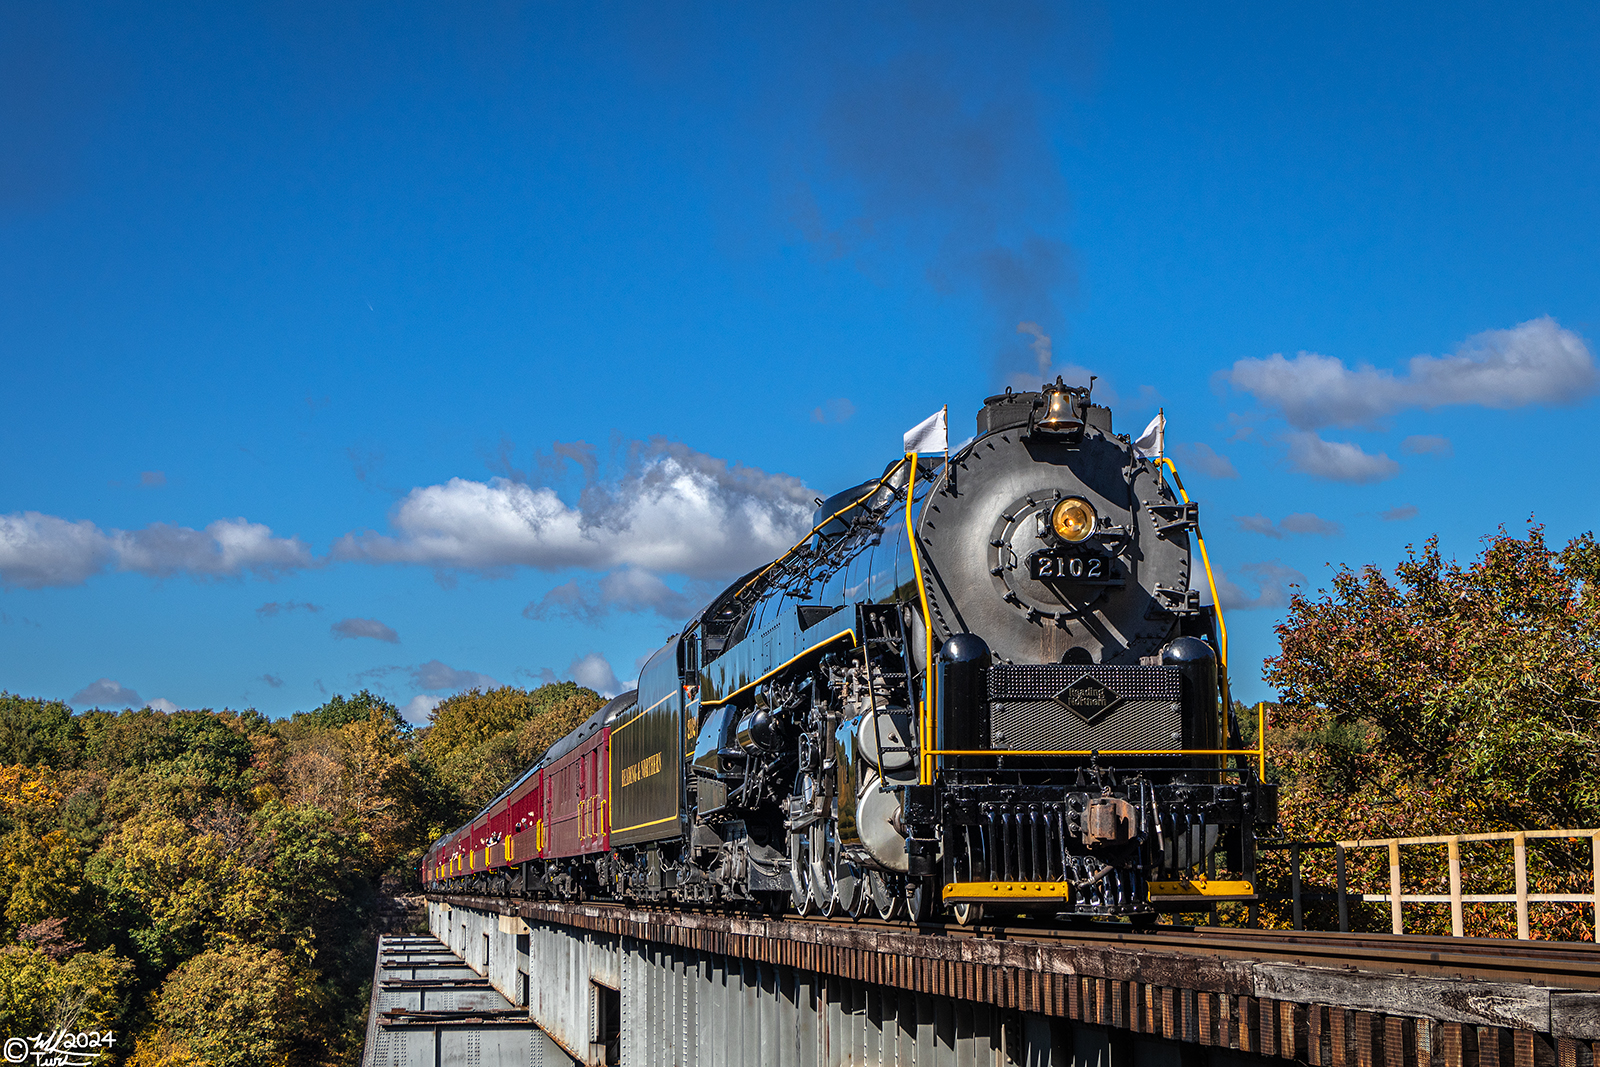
925	720
1216	604
1261	739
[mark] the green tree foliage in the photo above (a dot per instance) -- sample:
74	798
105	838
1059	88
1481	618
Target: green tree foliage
476	716
341	711
236	1006
205	884
1446	699
38	994
479	740
34	732
43	863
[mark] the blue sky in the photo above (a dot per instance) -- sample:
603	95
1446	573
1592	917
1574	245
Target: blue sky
416	349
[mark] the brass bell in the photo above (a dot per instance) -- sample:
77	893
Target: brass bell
1059	416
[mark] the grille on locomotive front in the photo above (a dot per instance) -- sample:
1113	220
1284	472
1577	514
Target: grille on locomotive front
1057	707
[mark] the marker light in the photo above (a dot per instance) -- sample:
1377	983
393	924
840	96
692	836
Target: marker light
1072	519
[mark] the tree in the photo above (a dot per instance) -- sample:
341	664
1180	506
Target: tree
468	719
341	711
480	740
374	790
172	890
1449	699
116	742
35	732
319	880
210	878
233	1006
44	875
38	994
41	869
1484	679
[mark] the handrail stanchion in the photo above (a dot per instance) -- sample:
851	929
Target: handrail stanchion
1396	897
1519	851
1344	891
1261	740
1294	885
1458	924
1396	921
1595	841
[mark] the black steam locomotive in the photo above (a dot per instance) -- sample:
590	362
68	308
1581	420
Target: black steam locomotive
983	681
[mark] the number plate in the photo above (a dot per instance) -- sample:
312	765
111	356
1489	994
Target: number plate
1068	566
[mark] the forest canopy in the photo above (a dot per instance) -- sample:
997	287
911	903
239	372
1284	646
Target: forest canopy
208	885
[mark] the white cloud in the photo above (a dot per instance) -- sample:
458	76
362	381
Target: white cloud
39	550
1272	580
630	589
1203	458
1301	522
675	511
163	704
353	628
436	676
1426	444
1399	513
672	511
627	589
226	547
1338	461
575	599
1537	362
152	479
418	708
105	693
595	672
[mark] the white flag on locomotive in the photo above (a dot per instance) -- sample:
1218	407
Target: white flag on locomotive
929	435
1152	444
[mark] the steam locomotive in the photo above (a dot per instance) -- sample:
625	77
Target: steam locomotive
986	680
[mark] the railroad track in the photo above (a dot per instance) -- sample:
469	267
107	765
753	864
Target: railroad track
1560	964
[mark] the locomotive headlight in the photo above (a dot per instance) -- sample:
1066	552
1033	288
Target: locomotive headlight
1072	519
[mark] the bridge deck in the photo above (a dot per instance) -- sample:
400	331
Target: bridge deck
430	1009
1330	1000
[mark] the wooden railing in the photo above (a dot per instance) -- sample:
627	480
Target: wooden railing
1396	898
